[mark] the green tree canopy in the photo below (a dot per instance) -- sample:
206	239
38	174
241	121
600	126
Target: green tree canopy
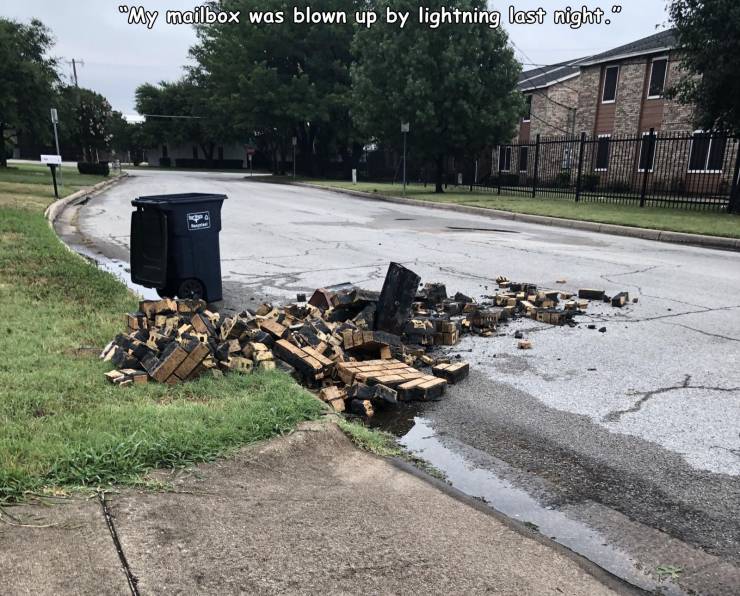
186	111
455	85
27	79
280	81
85	121
709	37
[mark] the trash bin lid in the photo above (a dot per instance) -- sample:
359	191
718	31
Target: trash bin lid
177	199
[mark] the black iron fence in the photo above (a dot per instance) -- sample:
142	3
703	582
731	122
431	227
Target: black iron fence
686	170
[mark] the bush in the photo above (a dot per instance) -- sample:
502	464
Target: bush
96	169
510	180
165	162
562	180
590	182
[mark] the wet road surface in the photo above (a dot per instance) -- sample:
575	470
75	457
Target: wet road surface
632	434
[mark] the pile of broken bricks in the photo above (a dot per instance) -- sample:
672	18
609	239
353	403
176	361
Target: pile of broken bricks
359	349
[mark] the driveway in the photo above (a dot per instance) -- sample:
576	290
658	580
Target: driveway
623	445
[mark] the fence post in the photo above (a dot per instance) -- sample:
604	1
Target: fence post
536	166
646	172
580	166
499	169
734	205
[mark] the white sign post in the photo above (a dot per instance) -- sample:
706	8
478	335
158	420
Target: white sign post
354	175
53	161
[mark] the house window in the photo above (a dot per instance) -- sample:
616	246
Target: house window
611	77
195	151
658	73
523	158
602	153
647	152
528	109
504	159
707	153
165	154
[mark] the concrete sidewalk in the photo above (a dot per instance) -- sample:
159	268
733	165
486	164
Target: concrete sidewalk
306	513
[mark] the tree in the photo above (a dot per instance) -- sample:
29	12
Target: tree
455	85
186	111
282	81
27	79
126	138
85	120
709	41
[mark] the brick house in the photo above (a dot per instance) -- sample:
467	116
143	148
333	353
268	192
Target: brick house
551	96
616	98
623	95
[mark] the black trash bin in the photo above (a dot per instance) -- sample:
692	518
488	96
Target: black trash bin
174	245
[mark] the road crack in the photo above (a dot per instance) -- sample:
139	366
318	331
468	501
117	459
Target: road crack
645	396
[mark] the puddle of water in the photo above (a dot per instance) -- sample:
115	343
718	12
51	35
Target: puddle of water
119	269
517	504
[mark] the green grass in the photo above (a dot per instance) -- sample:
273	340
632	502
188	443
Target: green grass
659	218
62	424
375	441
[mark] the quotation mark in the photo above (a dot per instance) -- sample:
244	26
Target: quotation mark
616	9
123	8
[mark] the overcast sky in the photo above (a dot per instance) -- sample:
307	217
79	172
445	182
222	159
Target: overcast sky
118	57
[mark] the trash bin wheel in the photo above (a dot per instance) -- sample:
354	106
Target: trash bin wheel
191	288
165	292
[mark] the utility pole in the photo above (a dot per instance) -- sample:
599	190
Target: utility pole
405	127
74	62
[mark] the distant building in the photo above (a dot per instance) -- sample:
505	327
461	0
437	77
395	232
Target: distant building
191	155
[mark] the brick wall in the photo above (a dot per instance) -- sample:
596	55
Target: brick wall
589	85
676	117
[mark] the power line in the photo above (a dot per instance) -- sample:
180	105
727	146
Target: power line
172	116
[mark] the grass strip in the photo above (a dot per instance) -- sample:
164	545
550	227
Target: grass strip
61	424
657	218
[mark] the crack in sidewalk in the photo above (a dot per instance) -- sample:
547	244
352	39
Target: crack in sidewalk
616	415
130	577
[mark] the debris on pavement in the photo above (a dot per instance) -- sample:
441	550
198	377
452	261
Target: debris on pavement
360	350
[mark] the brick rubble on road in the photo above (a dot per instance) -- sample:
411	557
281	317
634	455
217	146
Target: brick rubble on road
360	350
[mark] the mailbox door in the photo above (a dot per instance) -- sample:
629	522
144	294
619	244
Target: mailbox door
149	248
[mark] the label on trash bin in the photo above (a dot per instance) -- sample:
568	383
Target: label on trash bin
199	221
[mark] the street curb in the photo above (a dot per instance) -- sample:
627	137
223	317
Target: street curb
606	577
713	242
54	210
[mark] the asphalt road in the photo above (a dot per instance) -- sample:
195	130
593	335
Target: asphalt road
642	420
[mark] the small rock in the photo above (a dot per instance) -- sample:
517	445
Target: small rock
602	330
635	300
592	326
518	335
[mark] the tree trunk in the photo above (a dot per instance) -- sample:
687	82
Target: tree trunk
440	174
208	150
3	156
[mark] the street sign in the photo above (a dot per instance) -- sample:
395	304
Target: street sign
295	141
251	151
405	127
55	160
54	116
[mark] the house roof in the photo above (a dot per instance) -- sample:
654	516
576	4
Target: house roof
545	76
665	40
